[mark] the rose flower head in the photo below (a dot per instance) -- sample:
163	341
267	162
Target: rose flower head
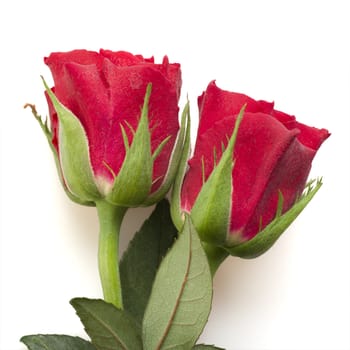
114	125
246	180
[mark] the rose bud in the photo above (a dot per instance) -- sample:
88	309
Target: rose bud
246	179
114	125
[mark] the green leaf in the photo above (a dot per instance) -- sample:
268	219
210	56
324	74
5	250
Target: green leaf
108	327
266	238
211	212
180	301
134	180
55	342
74	153
141	260
206	347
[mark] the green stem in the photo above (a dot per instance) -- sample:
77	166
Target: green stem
110	218
215	255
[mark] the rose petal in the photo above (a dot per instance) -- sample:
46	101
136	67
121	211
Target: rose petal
308	136
106	91
215	104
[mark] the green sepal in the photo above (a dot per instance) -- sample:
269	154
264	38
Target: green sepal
175	208
173	162
211	212
55	342
48	134
180	301
134	180
74	155
265	239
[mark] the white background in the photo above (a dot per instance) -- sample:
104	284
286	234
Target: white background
296	296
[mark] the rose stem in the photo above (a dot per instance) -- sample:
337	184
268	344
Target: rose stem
110	218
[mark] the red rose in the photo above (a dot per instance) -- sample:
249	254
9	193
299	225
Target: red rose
105	91
272	157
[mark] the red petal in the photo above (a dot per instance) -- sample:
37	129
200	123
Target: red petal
312	137
57	60
309	136
288	176
107	90
128	84
215	104
123	58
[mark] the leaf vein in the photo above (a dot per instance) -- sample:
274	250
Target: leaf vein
171	320
107	327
